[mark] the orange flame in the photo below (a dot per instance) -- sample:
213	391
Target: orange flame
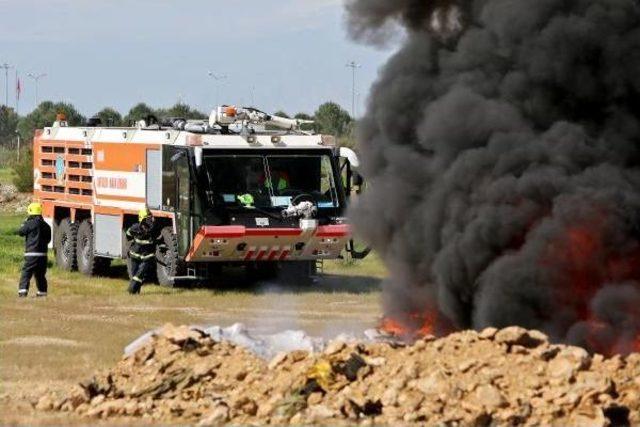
581	262
415	326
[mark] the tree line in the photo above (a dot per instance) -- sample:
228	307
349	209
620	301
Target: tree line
329	119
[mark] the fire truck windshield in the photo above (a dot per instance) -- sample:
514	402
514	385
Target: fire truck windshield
270	181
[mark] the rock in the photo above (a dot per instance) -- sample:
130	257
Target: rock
179	334
567	363
334	347
489	397
389	397
218	416
466	365
515	335
277	360
437	383
45	403
97	400
265	410
319	413
488	333
314	398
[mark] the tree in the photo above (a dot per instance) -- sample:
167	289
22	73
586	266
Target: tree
23	172
45	115
181	110
8	125
281	113
332	119
138	112
109	117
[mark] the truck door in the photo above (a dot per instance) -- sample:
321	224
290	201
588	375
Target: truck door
184	197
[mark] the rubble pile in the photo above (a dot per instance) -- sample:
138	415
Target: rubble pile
509	376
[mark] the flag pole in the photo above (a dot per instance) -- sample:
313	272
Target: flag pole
18	89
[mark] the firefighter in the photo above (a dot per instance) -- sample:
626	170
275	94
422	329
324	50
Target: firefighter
144	239
37	235
279	181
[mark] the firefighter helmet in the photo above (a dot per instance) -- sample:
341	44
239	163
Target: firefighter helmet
34	209
144	213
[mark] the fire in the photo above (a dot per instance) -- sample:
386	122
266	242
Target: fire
582	261
412	326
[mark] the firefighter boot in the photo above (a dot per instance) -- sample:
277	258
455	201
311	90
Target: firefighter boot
135	285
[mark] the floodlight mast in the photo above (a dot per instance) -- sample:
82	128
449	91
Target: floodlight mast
6	67
36	77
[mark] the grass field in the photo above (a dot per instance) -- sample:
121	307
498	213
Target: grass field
6	176
85	322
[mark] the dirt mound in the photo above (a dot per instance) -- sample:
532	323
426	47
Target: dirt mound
511	376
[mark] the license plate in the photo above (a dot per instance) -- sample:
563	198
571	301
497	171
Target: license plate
262	222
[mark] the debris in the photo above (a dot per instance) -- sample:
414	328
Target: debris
185	375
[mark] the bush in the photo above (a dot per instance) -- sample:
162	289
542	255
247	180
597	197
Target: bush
23	172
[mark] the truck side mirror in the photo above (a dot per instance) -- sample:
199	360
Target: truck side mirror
350	155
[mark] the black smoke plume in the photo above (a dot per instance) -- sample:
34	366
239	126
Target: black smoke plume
501	145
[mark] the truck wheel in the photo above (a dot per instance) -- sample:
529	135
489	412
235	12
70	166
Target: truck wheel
169	264
65	245
88	262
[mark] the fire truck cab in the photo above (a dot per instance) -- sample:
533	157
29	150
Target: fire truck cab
223	192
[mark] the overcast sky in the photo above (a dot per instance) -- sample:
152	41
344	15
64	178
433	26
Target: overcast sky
277	54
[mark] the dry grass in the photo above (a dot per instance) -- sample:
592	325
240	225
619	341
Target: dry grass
85	322
6	176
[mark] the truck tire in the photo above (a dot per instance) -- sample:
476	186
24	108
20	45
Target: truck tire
169	263
88	262
65	244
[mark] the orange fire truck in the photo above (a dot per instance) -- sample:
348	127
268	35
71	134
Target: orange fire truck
224	191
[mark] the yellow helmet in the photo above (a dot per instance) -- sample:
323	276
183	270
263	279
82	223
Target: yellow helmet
34	209
143	213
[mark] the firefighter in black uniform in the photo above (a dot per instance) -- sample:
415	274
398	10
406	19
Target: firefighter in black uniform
144	239
37	235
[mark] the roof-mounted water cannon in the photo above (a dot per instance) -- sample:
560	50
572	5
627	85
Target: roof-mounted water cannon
226	115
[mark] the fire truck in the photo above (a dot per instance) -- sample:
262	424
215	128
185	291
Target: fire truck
242	188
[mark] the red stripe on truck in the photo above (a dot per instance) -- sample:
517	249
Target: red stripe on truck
235	231
341	230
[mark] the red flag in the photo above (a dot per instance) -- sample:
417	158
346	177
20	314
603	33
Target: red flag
18	88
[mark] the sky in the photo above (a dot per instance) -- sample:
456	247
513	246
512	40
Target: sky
286	55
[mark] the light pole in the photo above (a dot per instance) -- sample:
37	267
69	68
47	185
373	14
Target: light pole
36	78
218	79
6	67
18	154
353	65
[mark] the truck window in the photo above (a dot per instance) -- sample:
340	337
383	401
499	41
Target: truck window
232	177
271	181
294	175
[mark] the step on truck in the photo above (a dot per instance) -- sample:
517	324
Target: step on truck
242	188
